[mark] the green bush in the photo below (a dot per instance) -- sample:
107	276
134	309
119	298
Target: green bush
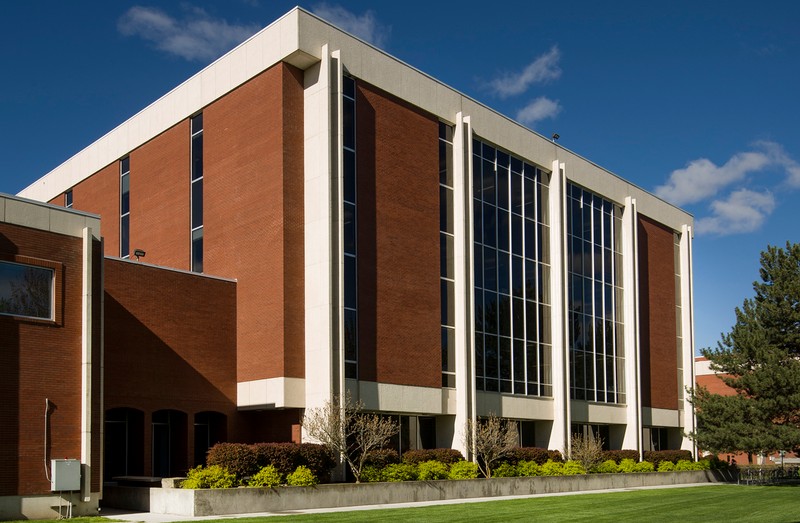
286	457
609	466
573	468
703	464
685	464
645	466
400	472
666	466
237	458
371	474
211	477
657	456
528	469
446	456
552	468
302	477
266	477
627	466
505	470
430	470
463	470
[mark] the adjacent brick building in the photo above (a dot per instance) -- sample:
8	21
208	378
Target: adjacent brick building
355	225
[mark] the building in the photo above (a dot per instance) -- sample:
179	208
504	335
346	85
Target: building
358	225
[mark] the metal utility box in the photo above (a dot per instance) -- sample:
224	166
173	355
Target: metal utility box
65	475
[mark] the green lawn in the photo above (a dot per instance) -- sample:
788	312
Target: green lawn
723	503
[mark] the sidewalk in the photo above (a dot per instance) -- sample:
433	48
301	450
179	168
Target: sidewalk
148	517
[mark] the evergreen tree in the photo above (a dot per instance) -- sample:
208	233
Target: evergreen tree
760	360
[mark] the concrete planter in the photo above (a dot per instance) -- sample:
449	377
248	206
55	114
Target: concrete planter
245	500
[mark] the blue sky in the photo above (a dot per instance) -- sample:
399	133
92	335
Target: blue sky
696	101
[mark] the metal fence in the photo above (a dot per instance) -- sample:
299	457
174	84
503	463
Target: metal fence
768	475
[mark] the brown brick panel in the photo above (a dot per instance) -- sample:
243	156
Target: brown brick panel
253	216
160	198
99	194
398	241
42	360
657	315
170	343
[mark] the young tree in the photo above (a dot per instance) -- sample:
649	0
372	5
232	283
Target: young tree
494	439
586	450
349	431
760	360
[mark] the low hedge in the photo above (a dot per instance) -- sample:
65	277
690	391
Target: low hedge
381	458
657	456
245	460
619	455
535	454
446	456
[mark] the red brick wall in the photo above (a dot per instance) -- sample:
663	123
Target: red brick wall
397	152
99	194
254	216
160	186
170	343
41	360
657	315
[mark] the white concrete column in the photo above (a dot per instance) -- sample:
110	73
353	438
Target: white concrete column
630	292
87	333
322	226
687	324
464	277
559	435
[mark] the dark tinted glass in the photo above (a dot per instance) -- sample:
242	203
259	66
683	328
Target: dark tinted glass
124	236
197	204
197	250
197	156
26	290
349	282
349	123
349	176
197	123
125	195
349	228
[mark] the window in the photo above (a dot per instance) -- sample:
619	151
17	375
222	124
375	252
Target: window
446	251
68	199
350	219
595	297
511	255
197	193
26	290
124	207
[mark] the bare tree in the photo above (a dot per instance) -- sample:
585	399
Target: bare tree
587	450
349	431
494	439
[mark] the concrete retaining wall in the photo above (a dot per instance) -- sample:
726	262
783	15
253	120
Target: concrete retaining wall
245	500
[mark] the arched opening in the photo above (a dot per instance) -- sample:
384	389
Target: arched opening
169	436
209	428
123	443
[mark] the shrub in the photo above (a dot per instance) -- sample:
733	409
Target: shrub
573	468
555	455
211	477
644	466
430	470
318	458
286	457
400	472
657	456
371	474
587	450
237	458
552	468
619	455
685	464
382	458
302	477
518	454
609	466
528	469
463	470
627	466
446	456
266	477
666	466
505	470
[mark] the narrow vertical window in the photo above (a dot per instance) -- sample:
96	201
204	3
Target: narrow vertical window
350	229
678	312
446	265
197	193
68	199
124	207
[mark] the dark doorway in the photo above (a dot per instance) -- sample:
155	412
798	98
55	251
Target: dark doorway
123	444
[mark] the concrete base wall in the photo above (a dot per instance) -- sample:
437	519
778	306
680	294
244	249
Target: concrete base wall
47	506
246	500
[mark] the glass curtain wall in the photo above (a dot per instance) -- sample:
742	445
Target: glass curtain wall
512	274
350	234
447	269
594	268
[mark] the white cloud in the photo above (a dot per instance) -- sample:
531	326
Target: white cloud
196	37
744	211
365	26
779	156
543	69
539	109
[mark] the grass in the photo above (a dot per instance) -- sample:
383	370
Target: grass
719	503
